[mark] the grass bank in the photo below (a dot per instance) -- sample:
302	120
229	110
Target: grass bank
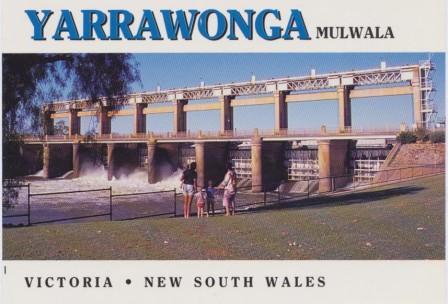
400	221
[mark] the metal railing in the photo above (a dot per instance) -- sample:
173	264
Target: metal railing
234	134
69	206
323	186
52	207
129	206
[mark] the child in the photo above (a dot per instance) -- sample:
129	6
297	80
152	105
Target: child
200	197
210	198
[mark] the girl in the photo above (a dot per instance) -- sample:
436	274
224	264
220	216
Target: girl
200	197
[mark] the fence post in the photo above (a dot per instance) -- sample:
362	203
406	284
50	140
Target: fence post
29	206
175	205
400	174
308	188
354	182
110	203
279	194
332	184
264	196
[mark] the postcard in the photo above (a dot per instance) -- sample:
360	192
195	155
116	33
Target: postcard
199	151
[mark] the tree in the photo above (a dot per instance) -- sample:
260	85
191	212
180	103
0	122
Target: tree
60	128
437	136
30	80
422	134
406	137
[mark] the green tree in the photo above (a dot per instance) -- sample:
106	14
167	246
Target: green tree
30	80
406	137
437	136
60	128
422	134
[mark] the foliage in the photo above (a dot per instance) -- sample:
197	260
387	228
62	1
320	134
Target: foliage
437	136
406	137
10	192
37	78
422	134
60	128
30	80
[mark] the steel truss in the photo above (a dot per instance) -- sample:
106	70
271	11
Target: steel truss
377	78
291	84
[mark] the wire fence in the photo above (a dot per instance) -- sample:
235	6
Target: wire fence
21	207
146	204
322	186
16	204
54	207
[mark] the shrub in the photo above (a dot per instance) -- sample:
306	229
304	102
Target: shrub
406	137
422	134
437	136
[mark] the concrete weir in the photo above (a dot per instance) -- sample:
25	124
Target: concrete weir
266	163
265	158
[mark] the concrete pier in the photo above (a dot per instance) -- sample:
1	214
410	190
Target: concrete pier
180	116
110	161
74	122
139	118
281	110
152	173
333	161
257	163
76	160
46	161
104	121
344	107
199	148
226	113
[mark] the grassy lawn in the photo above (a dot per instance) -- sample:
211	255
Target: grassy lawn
400	221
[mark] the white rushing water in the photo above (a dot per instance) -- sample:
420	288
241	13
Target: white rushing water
96	178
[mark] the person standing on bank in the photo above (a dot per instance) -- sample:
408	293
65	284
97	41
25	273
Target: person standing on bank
229	185
189	186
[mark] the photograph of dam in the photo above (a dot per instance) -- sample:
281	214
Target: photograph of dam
301	132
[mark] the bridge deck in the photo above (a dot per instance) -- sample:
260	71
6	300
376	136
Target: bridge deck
216	136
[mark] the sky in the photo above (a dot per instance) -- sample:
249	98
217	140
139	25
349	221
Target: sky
185	70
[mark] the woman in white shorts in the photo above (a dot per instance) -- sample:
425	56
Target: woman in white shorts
189	185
